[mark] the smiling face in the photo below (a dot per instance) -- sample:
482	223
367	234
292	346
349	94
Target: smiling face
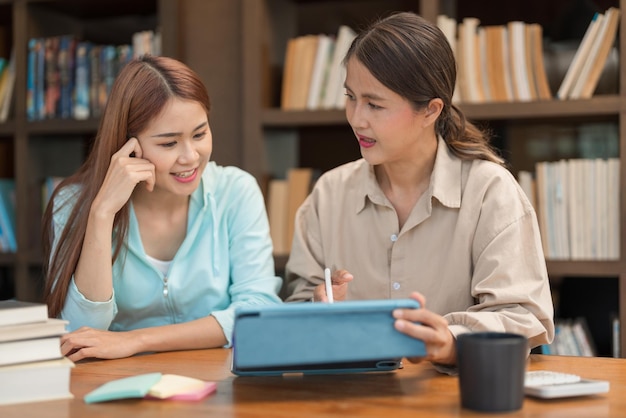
389	129
179	143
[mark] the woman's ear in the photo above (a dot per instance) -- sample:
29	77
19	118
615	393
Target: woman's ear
432	111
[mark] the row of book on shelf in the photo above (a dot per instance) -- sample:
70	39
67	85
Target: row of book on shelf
505	63
70	78
496	63
577	205
571	338
32	367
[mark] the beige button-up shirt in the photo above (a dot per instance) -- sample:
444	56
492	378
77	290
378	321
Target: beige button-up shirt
471	246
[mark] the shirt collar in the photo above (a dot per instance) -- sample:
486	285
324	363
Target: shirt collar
445	182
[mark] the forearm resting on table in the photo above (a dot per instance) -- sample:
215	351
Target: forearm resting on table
200	333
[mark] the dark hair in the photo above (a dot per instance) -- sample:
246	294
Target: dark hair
141	90
412	57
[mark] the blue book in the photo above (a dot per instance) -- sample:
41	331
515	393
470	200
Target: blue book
82	81
30	79
7	213
66	58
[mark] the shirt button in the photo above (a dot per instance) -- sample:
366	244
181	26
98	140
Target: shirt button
396	286
394	238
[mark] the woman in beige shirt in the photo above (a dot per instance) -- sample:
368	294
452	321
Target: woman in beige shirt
429	212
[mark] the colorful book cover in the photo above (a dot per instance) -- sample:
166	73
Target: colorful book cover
66	62
52	89
40	80
7	212
30	80
82	81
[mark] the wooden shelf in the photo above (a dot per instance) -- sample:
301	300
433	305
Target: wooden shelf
62	126
276	118
7	128
549	109
7	259
584	268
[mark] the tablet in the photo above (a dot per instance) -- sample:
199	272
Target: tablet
314	338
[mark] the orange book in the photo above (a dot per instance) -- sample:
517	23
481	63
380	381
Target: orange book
277	202
288	71
305	55
538	67
299	185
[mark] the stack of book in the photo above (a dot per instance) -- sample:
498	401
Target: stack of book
32	367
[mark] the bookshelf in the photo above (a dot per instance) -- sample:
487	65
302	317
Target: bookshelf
55	147
319	135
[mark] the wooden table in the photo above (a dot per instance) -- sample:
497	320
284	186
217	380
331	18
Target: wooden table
415	391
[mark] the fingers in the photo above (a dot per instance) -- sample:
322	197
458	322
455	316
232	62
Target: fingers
341	276
419	298
131	148
319	293
428	327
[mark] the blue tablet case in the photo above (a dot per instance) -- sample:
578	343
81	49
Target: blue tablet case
313	338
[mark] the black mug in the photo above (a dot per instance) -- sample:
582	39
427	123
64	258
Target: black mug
492	368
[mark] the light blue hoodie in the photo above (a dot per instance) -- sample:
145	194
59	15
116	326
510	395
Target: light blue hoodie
224	262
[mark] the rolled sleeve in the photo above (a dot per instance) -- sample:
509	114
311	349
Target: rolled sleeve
80	311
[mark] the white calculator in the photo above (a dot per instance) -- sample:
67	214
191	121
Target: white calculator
551	384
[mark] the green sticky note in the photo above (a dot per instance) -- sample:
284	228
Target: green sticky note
128	387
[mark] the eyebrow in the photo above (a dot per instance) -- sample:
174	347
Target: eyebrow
371	96
173	134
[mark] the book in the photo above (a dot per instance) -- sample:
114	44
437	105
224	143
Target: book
31	80
67	75
50	328
517	57
305	57
323	57
82	80
528	60
288	74
497	71
333	97
483	65
52	89
94	83
579	58
7	85
535	32
449	28
592	70
7	213
15	312
35	382
32	350
278	190
469	61
299	185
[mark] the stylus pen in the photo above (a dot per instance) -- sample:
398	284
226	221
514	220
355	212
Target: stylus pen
329	285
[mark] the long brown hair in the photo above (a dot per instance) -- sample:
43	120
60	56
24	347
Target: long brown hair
139	93
412	57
